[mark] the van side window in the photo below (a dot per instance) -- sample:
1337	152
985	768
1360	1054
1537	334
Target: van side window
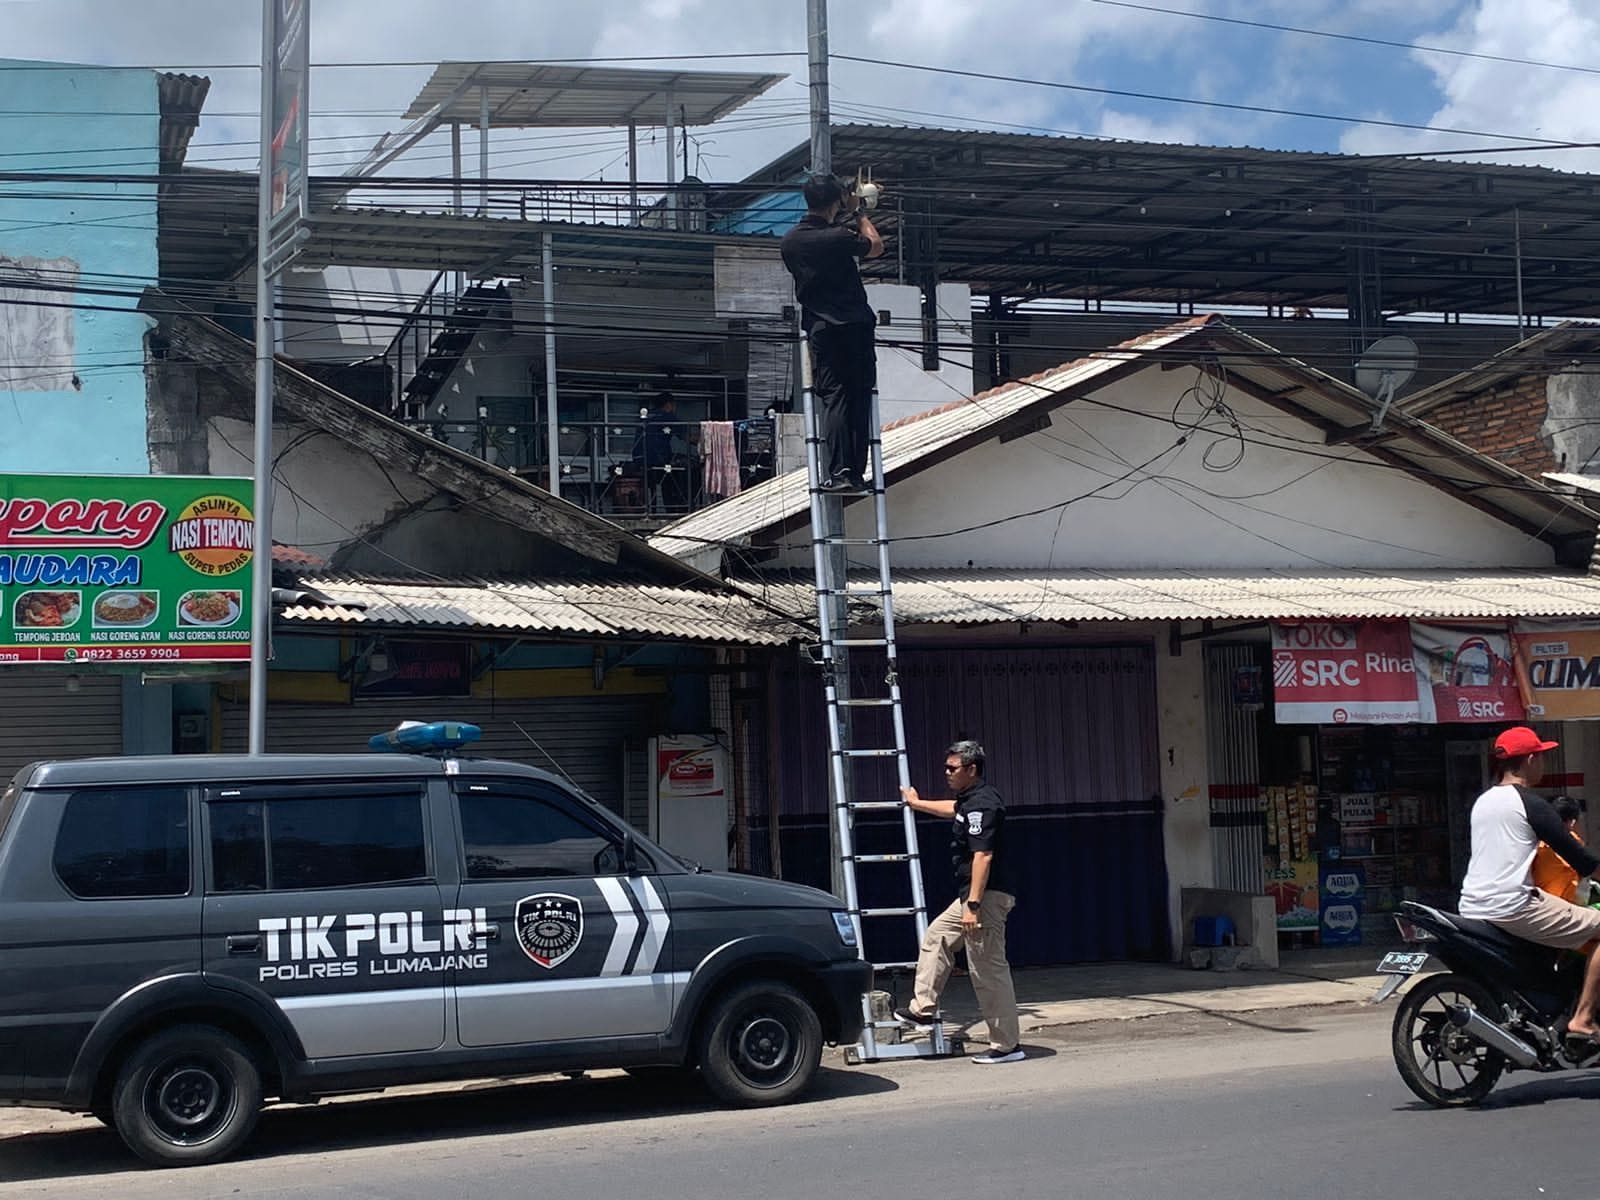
116	843
317	840
529	832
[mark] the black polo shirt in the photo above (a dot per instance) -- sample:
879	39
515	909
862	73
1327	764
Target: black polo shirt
980	824
822	258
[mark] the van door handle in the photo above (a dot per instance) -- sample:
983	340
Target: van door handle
244	943
490	933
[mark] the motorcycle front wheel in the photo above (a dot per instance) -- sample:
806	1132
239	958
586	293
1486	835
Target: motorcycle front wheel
1440	1064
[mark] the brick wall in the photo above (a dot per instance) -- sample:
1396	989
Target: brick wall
1503	423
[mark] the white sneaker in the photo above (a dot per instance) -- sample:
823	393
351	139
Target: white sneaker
992	1057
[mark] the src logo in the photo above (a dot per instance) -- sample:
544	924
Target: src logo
549	928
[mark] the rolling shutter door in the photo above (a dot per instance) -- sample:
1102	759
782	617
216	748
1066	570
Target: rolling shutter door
589	739
40	719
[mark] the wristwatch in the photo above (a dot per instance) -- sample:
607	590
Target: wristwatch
975	905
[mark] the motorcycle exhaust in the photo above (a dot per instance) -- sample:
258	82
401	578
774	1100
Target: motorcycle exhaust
1474	1024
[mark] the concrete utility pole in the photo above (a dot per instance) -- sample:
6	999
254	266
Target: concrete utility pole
266	299
838	561
821	115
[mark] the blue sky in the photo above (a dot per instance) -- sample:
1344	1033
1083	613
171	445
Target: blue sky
1081	42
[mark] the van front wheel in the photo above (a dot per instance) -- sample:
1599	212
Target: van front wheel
761	1045
186	1096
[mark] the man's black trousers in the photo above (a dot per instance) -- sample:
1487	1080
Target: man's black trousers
844	370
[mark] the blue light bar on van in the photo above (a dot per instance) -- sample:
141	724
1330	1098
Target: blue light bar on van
414	737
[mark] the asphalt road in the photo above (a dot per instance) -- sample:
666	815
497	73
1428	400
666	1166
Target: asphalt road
1285	1104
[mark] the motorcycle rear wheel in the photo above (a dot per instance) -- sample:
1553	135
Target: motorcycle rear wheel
1441	1065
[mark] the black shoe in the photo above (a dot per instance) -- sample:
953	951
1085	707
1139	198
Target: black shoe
857	483
912	1018
834	485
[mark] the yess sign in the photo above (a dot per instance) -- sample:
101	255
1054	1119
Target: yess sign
124	568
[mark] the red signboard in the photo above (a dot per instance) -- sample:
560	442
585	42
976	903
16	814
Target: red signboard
1332	672
1465	674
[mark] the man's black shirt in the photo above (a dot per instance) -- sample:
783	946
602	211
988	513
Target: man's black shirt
822	258
980	824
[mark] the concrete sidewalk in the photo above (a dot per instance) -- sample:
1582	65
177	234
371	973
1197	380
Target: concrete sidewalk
1052	998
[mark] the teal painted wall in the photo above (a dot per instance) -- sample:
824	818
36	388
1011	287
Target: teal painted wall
72	385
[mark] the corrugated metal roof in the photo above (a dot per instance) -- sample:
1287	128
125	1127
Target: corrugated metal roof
1323	401
181	97
1544	352
1217	225
963	597
532	606
736	520
528	95
1584	483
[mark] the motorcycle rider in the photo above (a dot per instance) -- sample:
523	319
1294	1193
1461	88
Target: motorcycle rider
1508	823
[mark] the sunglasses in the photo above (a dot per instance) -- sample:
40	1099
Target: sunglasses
949	770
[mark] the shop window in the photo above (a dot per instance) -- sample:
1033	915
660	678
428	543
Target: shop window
123	843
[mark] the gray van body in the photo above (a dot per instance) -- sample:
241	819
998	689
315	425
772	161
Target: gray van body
444	976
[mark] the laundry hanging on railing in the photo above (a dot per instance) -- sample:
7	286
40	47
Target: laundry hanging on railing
721	455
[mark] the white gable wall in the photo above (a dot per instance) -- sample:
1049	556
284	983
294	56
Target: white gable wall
1295	503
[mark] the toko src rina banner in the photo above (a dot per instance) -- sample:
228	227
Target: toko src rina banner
125	568
1339	672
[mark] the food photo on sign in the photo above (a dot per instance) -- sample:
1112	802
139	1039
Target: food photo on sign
124	569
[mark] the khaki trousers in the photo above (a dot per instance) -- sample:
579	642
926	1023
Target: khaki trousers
986	962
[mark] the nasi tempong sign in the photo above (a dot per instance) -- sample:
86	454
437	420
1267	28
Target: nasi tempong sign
125	568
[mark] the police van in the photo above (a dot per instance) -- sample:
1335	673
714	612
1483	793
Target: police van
185	938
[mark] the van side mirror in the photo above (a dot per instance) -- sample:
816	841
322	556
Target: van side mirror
630	854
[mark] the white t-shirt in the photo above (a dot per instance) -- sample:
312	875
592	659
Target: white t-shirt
1507	827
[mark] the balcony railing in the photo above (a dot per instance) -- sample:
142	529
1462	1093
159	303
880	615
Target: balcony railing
620	469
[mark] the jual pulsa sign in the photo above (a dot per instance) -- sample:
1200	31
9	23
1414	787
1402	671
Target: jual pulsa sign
125	569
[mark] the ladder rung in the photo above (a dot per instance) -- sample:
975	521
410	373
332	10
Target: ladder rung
848	541
859	642
888	912
887	752
897	966
884	858
876	804
855	593
883	703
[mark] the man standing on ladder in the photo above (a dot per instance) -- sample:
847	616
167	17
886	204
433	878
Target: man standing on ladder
821	253
978	917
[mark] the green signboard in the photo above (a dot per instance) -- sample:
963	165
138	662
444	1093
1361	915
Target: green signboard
125	568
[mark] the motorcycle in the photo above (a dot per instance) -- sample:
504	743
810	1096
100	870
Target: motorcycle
1502	1006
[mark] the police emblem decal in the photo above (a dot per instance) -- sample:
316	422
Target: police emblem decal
549	928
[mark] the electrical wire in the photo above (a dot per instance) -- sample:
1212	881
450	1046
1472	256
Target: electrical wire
1410	47
1123	93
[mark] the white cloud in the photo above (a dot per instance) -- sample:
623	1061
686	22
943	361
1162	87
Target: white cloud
1499	97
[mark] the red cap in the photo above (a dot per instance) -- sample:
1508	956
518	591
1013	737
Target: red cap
1519	741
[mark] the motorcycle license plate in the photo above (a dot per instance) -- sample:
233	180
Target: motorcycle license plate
1402	962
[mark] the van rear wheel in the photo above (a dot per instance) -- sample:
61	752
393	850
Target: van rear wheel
186	1096
761	1045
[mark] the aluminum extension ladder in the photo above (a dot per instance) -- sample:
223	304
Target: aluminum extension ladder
829	551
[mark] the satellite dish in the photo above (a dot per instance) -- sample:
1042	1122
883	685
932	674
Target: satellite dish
1386	367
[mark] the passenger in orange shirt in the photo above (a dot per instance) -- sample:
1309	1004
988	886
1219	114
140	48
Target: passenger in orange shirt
1550	871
